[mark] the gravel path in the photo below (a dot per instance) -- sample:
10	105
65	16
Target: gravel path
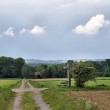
38	99
40	103
18	98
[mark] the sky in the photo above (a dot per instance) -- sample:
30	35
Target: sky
55	29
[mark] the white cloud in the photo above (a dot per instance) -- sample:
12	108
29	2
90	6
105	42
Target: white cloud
37	30
9	32
93	25
24	31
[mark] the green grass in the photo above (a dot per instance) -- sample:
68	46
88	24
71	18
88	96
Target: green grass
28	102
44	84
7	82
60	101
6	95
25	84
99	84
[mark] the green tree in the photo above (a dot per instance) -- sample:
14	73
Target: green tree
82	72
28	71
107	72
19	63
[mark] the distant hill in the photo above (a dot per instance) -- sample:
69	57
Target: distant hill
37	61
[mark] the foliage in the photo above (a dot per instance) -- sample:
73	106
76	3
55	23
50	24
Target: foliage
11	68
52	71
82	72
28	71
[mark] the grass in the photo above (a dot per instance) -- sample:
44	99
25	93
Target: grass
58	100
8	82
6	95
26	85
28	102
99	84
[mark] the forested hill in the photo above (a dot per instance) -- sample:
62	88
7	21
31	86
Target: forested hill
36	61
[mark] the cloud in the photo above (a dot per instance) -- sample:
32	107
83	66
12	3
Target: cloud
9	32
24	31
37	30
93	25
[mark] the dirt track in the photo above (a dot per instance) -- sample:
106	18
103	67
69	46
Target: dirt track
38	99
99	98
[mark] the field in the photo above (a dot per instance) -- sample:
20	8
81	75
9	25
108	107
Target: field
6	95
94	96
8	82
99	84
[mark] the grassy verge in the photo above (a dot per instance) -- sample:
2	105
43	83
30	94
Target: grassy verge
7	96
60	101
26	85
28	102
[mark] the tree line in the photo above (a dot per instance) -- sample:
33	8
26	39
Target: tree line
17	68
10	67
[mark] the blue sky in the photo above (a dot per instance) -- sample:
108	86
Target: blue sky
55	29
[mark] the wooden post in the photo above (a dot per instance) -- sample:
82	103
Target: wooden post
69	78
69	66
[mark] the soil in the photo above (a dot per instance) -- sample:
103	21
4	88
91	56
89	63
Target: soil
38	98
99	98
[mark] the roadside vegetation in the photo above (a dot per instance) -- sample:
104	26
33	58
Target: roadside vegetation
6	95
60	101
25	84
28	102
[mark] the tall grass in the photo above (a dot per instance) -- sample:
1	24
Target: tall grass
28	102
60	101
6	95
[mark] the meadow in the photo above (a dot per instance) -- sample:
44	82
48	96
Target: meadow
101	83
6	95
61	98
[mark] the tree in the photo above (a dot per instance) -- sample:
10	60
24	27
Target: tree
19	63
28	71
107	72
82	72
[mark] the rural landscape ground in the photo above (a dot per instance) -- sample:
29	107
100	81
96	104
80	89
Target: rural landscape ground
44	94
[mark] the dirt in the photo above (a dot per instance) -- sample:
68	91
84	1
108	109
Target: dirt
18	98
38	99
99	98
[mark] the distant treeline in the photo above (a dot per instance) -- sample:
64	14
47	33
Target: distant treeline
10	67
102	67
17	68
58	70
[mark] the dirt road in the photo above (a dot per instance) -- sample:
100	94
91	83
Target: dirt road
38	99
